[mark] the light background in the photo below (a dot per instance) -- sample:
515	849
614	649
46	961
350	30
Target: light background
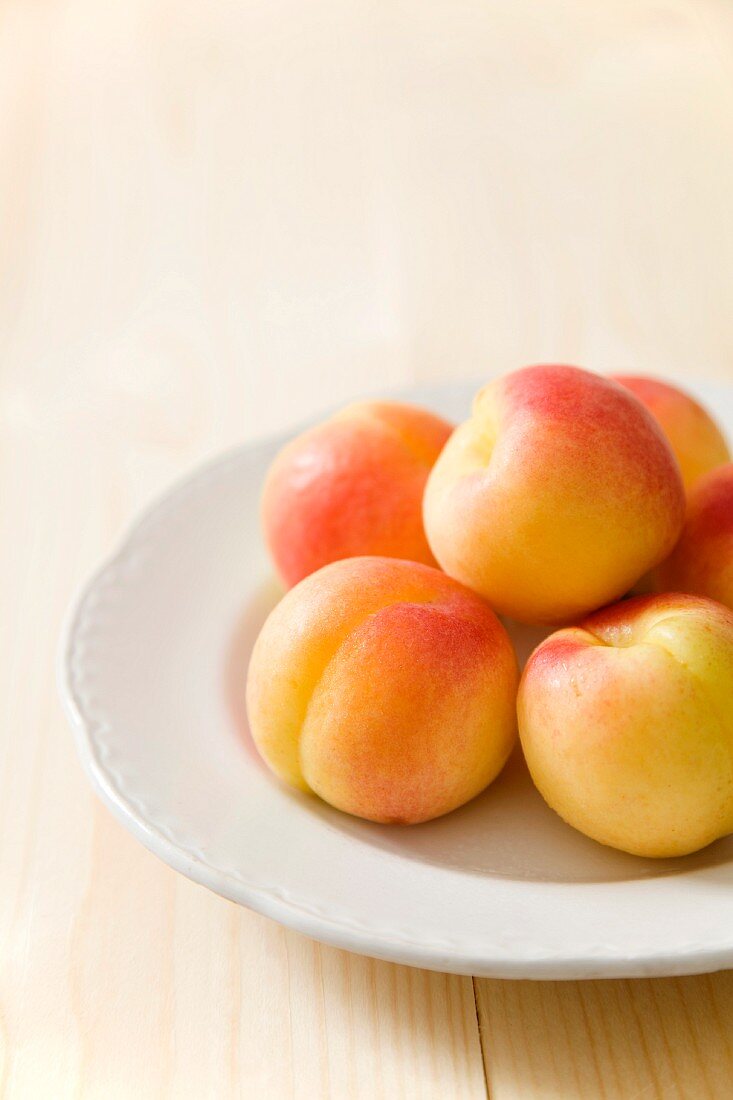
216	219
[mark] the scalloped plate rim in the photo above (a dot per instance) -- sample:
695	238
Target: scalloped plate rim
269	900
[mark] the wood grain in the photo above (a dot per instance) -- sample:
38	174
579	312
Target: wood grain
120	978
215	220
667	1039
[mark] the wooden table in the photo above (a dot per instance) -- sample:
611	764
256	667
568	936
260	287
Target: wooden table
215	220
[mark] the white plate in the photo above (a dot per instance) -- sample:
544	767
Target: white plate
152	677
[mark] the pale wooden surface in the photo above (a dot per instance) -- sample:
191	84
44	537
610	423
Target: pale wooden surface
214	220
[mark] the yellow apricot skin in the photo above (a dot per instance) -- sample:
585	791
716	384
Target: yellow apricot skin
556	495
384	687
626	723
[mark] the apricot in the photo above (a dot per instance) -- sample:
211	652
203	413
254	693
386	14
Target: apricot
555	496
384	687
352	486
702	560
698	443
626	722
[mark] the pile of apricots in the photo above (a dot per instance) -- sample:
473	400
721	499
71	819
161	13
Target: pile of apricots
385	682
